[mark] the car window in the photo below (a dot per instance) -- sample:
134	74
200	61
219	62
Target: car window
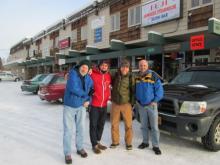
35	78
9	75
58	80
48	79
42	77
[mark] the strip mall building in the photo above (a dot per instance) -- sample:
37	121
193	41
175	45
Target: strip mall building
171	34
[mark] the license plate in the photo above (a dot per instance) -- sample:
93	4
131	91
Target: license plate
159	120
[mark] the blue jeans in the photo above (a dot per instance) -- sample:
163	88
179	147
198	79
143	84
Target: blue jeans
149	115
71	115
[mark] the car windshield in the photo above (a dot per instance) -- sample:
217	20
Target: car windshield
48	79
35	78
39	77
198	78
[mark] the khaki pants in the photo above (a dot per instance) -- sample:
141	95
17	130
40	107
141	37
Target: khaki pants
126	111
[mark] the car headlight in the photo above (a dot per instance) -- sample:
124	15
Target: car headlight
193	107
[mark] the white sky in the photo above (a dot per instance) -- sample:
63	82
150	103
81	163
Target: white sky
25	18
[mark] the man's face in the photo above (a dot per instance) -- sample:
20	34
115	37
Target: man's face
104	67
143	66
124	70
83	70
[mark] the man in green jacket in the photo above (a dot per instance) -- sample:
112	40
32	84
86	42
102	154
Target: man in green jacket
122	101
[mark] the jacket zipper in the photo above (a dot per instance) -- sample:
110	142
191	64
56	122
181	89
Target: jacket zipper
102	90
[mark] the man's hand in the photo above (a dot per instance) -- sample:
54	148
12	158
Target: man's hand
153	104
86	104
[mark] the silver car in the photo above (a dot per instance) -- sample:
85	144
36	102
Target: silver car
9	77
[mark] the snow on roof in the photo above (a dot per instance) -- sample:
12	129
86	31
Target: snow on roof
90	46
154	32
213	18
114	40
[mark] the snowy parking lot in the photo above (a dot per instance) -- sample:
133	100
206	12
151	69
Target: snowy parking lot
31	134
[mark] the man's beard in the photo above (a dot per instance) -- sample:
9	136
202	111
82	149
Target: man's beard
103	71
83	73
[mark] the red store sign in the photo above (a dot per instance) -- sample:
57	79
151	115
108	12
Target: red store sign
197	42
64	43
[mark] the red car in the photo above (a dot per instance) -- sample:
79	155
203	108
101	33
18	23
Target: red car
53	87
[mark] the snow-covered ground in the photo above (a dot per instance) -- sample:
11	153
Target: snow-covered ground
31	134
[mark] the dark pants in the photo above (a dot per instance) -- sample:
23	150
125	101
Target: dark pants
97	117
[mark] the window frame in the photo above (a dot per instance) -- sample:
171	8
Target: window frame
135	12
200	4
114	29
84	36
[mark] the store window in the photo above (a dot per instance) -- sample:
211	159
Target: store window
115	22
134	16
201	57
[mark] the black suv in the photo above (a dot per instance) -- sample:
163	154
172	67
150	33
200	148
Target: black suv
191	105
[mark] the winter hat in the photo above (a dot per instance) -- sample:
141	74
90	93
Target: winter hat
125	63
85	62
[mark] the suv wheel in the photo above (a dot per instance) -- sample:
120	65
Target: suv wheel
0	80
211	140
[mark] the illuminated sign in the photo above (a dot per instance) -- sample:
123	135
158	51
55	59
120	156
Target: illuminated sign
197	42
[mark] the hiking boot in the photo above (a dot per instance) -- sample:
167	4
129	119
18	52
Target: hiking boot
101	147
114	145
157	150
82	153
143	145
68	159
128	147
96	149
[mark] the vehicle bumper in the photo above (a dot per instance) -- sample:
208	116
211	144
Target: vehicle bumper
28	88
49	96
185	125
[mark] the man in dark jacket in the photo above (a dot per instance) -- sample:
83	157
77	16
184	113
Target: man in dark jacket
122	101
76	100
98	110
149	91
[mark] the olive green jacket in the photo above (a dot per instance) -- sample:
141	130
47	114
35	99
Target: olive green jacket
123	89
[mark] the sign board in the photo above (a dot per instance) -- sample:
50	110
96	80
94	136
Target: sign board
98	35
61	61
214	26
99	22
172	47
197	42
65	43
157	11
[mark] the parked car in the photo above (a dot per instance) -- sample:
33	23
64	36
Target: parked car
191	106
32	85
4	76
53	87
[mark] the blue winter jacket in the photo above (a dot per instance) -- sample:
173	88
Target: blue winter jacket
75	95
148	88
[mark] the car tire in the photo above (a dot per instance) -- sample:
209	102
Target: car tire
0	80
35	92
17	79
211	140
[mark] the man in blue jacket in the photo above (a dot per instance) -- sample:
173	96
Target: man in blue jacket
149	91
76	100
